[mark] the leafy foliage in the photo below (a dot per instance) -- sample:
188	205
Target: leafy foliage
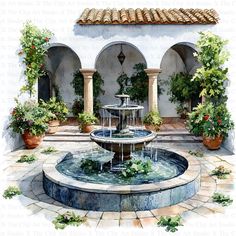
153	118
210	120
86	118
196	153
90	166
49	150
222	199
33	50
58	108
68	218
134	167
170	222
221	172
212	76
182	88
27	158
29	116
11	191
78	85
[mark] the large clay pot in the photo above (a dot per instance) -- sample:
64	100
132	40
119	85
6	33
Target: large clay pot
212	143
53	126
87	128
32	141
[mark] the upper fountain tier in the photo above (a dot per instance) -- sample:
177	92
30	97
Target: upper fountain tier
122	109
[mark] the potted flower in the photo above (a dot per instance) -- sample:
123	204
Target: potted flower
30	120
59	111
152	120
86	121
212	122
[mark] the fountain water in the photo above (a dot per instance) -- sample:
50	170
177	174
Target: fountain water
173	178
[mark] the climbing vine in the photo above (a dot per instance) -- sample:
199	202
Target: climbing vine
34	42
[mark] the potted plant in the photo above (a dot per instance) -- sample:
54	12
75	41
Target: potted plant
59	111
86	121
182	110
30	120
212	122
152	120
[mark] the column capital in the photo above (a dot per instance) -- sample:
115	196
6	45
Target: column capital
152	71
87	73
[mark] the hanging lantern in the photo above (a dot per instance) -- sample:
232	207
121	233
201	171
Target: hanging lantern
121	56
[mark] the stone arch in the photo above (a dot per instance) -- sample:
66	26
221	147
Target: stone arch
61	63
177	58
108	65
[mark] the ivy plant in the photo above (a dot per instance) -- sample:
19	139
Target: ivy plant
27	158
212	75
34	42
170	222
68	218
90	166
197	153
78	85
222	199
11	191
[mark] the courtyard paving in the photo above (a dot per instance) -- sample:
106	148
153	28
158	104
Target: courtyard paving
35	204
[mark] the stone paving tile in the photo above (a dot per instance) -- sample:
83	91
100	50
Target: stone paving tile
189	215
111	216
200	198
128	215
149	222
215	207
187	206
94	214
194	203
130	223
171	210
225	187
50	215
33	209
45	198
82	213
25	201
144	214
203	211
108	223
92	223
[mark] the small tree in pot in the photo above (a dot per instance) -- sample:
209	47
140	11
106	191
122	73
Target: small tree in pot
86	121
152	120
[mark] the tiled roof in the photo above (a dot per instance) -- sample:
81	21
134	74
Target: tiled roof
148	16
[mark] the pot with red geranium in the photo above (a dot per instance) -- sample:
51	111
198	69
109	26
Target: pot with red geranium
212	122
30	120
59	111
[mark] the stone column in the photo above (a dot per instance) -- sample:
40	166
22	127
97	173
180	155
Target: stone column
88	89
152	88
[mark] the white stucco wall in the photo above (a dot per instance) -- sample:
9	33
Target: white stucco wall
87	41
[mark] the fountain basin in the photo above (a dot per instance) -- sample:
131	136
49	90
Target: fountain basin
122	146
116	197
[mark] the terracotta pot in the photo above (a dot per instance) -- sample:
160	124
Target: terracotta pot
87	128
32	141
53	126
152	127
212	143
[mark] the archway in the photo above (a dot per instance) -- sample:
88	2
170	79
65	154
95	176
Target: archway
178	58
110	68
60	64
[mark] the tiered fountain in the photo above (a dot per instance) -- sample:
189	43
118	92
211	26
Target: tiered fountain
173	178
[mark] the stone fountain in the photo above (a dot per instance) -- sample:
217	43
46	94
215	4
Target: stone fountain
175	177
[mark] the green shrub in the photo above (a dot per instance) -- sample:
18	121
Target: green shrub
90	166
87	118
170	222
221	172
49	150
222	199
11	191
153	118
27	158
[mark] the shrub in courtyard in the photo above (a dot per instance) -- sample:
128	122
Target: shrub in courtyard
221	172
27	158
34	42
11	191
170	222
49	150
222	199
152	120
68	218
86	121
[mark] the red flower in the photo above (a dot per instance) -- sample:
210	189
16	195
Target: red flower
219	122
206	117
46	39
33	47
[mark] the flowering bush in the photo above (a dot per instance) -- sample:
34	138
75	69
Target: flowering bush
58	108
30	117
210	121
33	49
